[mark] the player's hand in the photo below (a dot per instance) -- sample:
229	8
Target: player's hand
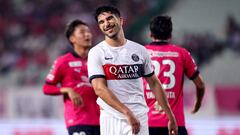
74	96
172	127
134	122
196	107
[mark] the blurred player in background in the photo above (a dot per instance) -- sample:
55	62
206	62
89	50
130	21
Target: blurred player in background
171	63
69	77
115	68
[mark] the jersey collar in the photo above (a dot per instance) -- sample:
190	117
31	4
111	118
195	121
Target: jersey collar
159	43
75	54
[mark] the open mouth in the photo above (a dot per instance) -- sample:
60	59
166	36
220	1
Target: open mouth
88	39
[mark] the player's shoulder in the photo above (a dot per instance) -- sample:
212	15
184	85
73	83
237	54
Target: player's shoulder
183	50
135	45
178	47
98	47
63	58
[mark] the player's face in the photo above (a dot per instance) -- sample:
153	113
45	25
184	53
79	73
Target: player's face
109	24
82	36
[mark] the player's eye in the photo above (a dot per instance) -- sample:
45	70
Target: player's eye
100	22
109	18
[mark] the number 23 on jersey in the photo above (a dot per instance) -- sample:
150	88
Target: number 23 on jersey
169	73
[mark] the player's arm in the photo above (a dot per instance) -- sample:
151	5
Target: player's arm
54	77
50	89
200	90
193	74
161	98
53	90
101	90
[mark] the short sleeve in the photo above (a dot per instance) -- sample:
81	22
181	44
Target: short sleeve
95	64
190	67
148	68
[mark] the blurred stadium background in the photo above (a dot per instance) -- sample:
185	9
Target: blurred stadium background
31	37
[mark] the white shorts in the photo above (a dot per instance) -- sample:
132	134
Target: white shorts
110	125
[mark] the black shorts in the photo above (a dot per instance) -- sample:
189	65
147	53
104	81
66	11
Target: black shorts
84	130
164	131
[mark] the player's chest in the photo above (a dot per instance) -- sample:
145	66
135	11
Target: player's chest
75	69
124	56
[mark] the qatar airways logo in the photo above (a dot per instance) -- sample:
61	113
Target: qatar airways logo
117	72
124	69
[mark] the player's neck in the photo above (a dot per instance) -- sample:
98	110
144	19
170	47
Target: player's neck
82	52
159	40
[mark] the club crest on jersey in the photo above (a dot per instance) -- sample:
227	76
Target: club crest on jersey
135	57
75	63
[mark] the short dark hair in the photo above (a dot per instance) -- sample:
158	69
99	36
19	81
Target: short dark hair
106	8
71	27
161	27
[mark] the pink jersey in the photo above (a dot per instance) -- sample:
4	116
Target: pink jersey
171	63
70	70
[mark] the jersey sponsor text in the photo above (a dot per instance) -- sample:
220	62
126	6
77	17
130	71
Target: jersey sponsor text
118	72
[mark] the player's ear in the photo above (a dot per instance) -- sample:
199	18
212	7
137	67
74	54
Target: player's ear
72	39
151	35
121	20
